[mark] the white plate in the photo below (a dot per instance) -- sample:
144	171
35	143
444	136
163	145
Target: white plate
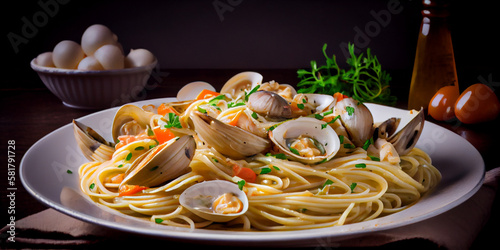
43	172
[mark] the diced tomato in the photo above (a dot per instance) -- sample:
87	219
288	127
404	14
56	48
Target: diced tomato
163	109
126	190
339	96
163	134
244	173
205	94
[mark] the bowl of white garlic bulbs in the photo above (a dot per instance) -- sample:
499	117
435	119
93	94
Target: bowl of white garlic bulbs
95	73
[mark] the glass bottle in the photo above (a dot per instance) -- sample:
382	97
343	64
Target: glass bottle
434	65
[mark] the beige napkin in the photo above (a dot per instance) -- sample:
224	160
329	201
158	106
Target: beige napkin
454	229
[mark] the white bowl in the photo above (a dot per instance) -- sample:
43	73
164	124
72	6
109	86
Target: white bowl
94	89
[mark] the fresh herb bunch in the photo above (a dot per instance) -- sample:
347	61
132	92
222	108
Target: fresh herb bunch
365	81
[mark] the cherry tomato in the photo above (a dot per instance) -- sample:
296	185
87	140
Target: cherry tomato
478	103
442	105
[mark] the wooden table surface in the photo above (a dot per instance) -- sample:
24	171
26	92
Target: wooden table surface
27	115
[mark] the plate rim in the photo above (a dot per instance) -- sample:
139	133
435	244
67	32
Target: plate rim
237	237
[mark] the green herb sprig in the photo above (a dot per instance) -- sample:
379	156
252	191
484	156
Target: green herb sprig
364	81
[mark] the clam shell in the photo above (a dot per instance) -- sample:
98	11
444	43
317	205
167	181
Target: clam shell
170	162
237	84
228	140
93	146
311	127
213	189
128	113
191	90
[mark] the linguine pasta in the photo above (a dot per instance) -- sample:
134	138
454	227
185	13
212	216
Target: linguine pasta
357	184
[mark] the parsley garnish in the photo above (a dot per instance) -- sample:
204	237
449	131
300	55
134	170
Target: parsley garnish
254	116
330	122
69	171
232	104
300	105
350	110
92	186
173	121
280	156
277	168
327	182
348	145
360	165
158	220
154	168
374	158
341	138
129	156
367	143
295	151
251	92
241	184
364	80
353	186
139	148
265	171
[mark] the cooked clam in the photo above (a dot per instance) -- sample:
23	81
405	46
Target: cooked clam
191	90
406	137
216	200
130	120
357	120
93	146
161	163
228	140
306	139
270	105
238	84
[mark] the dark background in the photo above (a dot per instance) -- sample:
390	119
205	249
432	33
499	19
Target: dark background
248	34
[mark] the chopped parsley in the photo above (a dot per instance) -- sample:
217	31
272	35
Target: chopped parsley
254	116
92	186
241	184
295	151
232	104
348	145
367	143
374	158
154	168
265	171
277	168
278	156
330	122
139	148
327	182
69	171
350	110
158	220
251	92
341	138
360	165
202	110
173	121
353	186
129	156
300	106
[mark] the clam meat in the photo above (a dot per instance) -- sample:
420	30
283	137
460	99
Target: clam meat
306	139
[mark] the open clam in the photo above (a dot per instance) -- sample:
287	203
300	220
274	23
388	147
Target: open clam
237	84
228	140
216	200
191	90
403	138
162	163
306	139
93	146
130	120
